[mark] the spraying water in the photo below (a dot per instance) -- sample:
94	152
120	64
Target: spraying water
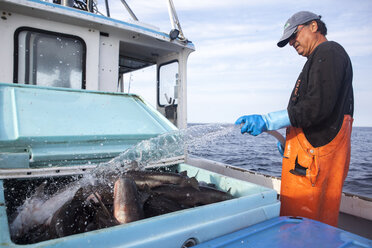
164	146
39	208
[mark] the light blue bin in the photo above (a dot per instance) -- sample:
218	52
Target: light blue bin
253	204
43	127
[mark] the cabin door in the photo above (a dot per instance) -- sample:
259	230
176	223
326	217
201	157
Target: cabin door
167	90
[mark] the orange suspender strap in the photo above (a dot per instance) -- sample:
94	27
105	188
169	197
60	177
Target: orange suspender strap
312	178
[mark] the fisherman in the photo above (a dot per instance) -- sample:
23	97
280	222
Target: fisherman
318	119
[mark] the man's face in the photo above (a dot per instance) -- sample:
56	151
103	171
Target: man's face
303	40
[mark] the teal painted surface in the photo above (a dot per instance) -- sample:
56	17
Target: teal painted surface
57	123
47	112
14	160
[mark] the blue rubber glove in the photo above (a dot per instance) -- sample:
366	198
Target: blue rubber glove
277	120
253	124
256	124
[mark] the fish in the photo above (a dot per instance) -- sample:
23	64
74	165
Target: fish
158	205
103	217
84	212
38	209
128	206
191	197
62	222
43	216
72	217
202	183
153	179
108	201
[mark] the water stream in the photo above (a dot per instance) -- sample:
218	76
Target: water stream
39	208
164	146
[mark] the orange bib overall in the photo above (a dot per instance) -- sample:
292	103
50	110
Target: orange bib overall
312	178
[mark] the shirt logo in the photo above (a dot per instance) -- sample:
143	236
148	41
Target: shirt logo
297	87
295	91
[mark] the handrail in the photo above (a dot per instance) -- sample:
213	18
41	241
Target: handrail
91	6
129	10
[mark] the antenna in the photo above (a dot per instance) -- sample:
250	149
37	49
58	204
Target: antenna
129	10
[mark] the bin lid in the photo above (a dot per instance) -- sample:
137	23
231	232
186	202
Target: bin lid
46	127
286	231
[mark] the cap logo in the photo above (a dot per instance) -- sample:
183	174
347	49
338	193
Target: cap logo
287	25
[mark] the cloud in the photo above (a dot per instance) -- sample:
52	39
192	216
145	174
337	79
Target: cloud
354	41
237	67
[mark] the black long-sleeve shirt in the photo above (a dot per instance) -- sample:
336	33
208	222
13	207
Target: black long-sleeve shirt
323	94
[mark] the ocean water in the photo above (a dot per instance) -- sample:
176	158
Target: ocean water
260	153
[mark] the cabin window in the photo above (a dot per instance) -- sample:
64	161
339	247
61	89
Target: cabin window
49	59
168	84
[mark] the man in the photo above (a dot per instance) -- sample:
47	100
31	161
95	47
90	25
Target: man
318	120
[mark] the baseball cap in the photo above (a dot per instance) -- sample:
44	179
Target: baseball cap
292	23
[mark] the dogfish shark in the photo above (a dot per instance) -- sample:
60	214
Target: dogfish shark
96	203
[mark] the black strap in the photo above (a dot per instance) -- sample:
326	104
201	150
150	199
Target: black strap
298	170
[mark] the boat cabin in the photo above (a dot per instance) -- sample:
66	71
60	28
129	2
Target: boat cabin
63	44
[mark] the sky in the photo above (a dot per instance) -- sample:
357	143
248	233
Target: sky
237	68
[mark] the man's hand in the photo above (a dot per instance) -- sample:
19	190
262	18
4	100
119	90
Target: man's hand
253	124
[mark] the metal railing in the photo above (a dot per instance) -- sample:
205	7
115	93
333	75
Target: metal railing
91	6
